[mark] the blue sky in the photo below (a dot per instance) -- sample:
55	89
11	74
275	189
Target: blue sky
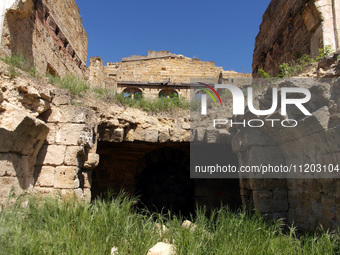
212	30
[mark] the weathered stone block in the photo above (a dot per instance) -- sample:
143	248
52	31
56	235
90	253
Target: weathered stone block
74	155
87	195
87	179
66	177
70	114
46	176
70	134
164	135
51	155
151	135
91	162
162	249
118	135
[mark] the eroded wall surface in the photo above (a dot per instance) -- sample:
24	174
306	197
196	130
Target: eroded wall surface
49	34
47	145
292	28
315	141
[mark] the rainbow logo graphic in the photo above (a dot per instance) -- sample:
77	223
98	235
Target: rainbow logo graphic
209	93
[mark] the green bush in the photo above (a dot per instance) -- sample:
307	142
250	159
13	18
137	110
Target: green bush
290	69
324	52
263	73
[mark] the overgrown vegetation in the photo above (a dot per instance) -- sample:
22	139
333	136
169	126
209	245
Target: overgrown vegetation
324	52
79	87
154	105
75	85
70	227
263	73
19	61
298	65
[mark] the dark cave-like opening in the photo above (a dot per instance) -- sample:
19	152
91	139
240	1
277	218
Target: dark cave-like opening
165	185
159	175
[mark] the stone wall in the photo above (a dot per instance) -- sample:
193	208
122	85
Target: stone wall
50	34
306	202
174	68
49	146
46	144
157	71
292	28
65	161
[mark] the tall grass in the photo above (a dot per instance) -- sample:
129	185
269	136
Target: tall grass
69	227
74	84
19	61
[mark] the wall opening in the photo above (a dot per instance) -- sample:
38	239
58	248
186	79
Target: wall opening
50	70
168	93
164	184
159	174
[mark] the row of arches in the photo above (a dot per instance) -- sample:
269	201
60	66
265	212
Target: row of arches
136	93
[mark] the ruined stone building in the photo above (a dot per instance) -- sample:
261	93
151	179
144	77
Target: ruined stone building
49	146
160	73
49	34
295	27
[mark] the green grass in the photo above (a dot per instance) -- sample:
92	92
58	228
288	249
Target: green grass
50	226
19	61
75	85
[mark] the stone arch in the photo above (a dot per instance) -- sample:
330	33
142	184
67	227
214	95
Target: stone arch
164	184
198	93
168	93
133	93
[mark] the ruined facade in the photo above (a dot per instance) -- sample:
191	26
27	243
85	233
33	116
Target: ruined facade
49	146
49	34
158	73
292	28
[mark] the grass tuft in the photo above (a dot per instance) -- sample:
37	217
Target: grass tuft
74	84
16	61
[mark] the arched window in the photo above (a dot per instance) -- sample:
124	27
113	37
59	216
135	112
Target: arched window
198	94
133	93
168	93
